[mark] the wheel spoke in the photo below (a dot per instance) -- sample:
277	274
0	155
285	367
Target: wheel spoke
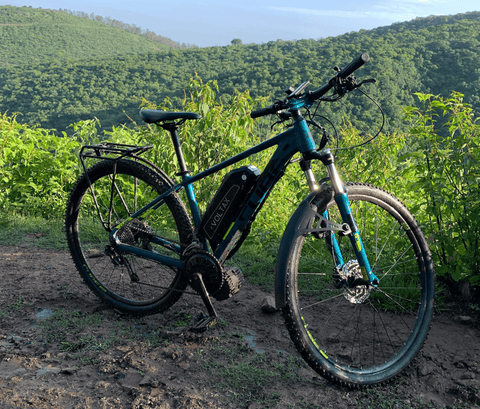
127	281
359	332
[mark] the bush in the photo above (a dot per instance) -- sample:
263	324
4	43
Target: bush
37	169
438	177
444	177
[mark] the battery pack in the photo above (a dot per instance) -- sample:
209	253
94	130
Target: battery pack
228	202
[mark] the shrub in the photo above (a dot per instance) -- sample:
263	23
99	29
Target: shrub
37	169
444	177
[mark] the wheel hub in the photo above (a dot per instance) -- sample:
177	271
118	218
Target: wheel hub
349	273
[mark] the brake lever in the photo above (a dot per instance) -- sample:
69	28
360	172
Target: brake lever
284	116
349	84
372	80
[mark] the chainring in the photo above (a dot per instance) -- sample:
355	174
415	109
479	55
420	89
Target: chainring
207	265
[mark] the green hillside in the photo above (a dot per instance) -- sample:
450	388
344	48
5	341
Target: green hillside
435	54
131	28
32	36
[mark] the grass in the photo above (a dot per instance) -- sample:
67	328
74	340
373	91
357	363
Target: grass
245	376
66	292
14	309
65	326
182	319
80	332
18	229
381	398
256	258
235	371
84	334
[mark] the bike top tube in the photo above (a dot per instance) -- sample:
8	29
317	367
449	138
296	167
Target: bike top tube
300	135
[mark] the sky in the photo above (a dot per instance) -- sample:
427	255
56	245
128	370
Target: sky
208	23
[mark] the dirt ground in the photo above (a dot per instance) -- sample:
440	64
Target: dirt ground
61	348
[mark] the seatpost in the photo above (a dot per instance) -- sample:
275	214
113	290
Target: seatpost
172	128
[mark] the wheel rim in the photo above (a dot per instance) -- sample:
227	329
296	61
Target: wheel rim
133	280
363	333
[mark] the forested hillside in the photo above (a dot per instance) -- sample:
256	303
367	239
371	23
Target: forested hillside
436	55
31	36
131	28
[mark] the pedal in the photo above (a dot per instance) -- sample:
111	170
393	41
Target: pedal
204	324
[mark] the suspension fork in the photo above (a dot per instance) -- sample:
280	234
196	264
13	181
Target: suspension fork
331	238
341	198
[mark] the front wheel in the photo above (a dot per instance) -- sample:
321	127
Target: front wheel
363	335
105	197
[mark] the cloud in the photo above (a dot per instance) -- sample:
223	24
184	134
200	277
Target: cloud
393	10
380	15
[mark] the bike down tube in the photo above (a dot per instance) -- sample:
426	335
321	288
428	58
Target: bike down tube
288	143
188	180
270	176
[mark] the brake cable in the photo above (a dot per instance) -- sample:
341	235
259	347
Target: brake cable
379	131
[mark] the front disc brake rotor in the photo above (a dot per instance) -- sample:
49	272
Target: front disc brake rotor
349	272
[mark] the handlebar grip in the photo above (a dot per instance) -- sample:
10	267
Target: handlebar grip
262	112
354	65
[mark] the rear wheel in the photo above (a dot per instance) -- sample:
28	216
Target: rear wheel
362	335
127	282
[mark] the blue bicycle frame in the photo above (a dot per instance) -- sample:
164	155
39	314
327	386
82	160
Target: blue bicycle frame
295	139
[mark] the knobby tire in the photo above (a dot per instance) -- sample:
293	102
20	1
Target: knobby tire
131	284
345	337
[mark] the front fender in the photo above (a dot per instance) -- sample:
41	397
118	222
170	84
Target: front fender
301	219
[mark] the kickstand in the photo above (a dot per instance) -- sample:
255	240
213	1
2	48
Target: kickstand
208	321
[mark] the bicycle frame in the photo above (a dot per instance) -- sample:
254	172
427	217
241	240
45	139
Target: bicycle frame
296	139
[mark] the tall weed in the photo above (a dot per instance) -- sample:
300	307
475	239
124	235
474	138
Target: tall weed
438	177
444	176
37	169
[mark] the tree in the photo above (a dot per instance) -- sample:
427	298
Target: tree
236	41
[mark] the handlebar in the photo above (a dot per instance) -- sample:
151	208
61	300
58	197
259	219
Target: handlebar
354	65
344	73
319	92
263	111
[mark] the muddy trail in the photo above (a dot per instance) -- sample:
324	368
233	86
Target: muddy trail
61	348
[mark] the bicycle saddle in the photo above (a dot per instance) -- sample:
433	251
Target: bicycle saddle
154	116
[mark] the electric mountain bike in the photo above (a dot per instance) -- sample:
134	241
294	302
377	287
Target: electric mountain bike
354	276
